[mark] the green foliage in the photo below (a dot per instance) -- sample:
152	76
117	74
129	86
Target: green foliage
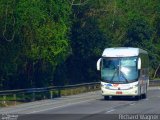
46	42
138	33
40	42
45	28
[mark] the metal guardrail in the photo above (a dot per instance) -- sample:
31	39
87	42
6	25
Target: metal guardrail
154	83
50	91
44	89
30	94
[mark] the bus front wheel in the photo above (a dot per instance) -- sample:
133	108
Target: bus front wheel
144	96
106	97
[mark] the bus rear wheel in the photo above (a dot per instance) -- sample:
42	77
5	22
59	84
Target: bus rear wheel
144	96
138	97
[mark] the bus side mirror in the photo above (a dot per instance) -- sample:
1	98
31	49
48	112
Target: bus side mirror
98	64
139	63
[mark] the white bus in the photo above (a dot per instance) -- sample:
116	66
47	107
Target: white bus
124	72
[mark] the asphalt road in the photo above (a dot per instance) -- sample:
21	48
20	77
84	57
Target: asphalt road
89	106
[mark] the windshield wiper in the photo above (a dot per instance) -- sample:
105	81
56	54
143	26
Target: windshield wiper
124	76
116	70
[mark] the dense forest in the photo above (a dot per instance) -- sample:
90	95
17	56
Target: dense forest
58	42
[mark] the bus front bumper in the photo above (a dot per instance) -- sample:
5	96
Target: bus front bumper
128	92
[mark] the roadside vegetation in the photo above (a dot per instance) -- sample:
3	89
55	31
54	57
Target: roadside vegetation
58	42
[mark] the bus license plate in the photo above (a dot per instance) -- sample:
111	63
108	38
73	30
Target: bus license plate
119	92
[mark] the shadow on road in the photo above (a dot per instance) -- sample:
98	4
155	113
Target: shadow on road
119	98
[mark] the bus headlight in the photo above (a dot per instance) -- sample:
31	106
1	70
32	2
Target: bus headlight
131	88
136	88
102	85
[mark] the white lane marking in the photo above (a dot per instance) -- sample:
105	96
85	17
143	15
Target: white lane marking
58	106
110	111
132	104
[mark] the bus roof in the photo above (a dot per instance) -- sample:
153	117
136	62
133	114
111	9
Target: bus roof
122	52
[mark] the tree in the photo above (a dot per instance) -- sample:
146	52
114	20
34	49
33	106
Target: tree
40	39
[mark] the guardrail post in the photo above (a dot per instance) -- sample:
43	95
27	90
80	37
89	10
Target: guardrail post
51	94
4	100
15	99
23	97
33	96
94	87
44	97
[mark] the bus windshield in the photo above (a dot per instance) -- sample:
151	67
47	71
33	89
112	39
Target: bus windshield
119	70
